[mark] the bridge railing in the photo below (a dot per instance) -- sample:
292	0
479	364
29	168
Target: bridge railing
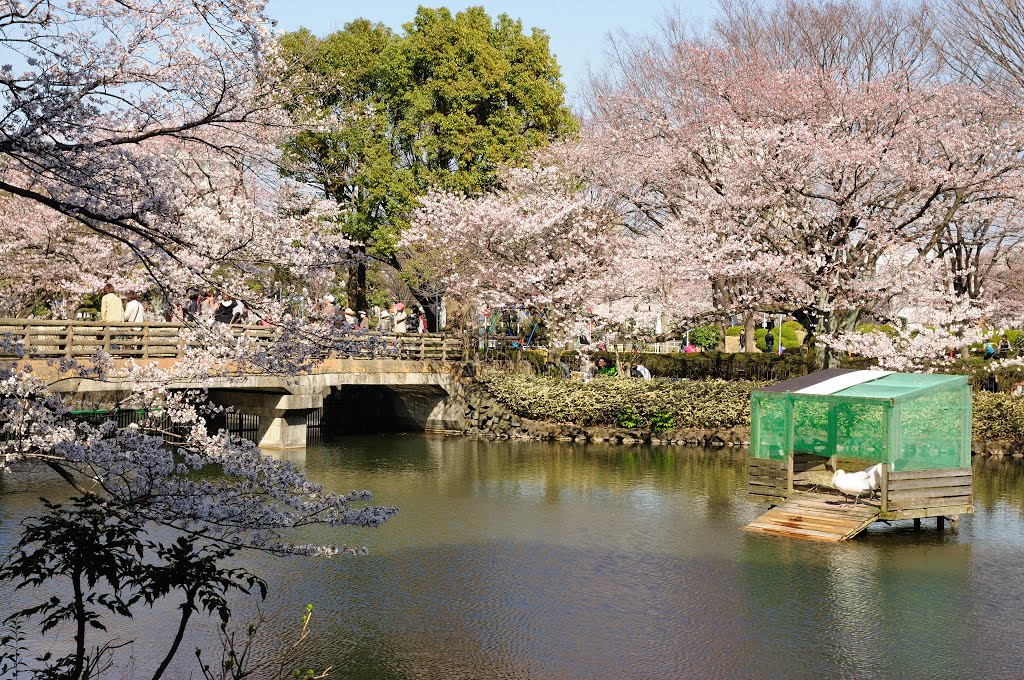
43	338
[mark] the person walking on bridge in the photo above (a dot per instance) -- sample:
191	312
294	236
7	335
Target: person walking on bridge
111	307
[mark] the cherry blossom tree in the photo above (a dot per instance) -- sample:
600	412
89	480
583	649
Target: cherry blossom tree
147	132
804	178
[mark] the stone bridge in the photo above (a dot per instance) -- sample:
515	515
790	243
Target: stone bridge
384	383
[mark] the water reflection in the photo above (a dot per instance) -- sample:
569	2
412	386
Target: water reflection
537	560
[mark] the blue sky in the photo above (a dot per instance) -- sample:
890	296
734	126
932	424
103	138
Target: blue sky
577	27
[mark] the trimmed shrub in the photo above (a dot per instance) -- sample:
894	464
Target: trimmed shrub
998	416
684	404
706	337
734	331
789	340
794	326
663	405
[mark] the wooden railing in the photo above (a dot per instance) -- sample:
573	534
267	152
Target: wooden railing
38	338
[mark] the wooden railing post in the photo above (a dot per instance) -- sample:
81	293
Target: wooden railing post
69	340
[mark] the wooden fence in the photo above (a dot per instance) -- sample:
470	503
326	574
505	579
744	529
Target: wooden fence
37	338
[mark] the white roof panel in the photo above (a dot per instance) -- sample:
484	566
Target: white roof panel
841	382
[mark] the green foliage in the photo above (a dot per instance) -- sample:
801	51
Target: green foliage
794	326
721	365
789	339
998	416
101	566
662	421
665	405
734	331
443	104
628	418
682	404
706	337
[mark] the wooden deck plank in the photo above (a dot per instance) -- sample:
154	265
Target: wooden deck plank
929	474
902	484
817	517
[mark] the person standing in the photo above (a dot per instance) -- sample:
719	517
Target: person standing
401	317
384	322
1004	347
133	311
422	320
328	311
208	305
225	310
364	322
111	307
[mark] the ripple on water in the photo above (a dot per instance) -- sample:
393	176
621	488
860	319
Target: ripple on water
536	560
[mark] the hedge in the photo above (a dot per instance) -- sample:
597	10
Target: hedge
689	404
719	365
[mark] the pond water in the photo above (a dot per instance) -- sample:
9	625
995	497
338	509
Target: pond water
542	560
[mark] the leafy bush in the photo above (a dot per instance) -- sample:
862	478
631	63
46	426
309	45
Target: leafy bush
794	326
665	405
684	404
998	416
734	331
662	421
628	418
789	340
706	337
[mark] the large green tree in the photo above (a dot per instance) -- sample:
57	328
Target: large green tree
390	115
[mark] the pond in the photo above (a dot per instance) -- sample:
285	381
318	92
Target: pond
544	560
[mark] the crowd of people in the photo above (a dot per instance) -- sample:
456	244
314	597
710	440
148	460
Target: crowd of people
221	307
397	318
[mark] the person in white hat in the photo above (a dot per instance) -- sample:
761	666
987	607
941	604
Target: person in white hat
327	309
350	317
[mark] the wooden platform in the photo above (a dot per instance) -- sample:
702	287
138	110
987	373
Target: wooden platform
816	516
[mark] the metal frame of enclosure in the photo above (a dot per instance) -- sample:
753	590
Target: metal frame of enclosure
918	425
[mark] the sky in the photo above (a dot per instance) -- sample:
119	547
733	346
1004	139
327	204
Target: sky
578	28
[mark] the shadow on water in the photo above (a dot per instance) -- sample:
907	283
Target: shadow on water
549	560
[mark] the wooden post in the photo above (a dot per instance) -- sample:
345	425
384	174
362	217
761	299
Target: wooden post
790	436
833	434
106	338
917	524
884	489
940	523
145	340
69	341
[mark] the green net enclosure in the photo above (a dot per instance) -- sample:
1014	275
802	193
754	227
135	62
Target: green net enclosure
910	421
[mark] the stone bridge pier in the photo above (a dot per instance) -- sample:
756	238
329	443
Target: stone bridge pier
281	418
356	395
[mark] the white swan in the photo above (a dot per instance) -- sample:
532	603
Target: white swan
857	484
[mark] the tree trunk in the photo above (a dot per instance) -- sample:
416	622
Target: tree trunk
749	343
79	607
355	288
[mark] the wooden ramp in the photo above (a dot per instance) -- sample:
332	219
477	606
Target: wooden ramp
816	516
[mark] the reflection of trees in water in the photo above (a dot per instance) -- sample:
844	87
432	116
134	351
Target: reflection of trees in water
714	479
883	605
998	480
